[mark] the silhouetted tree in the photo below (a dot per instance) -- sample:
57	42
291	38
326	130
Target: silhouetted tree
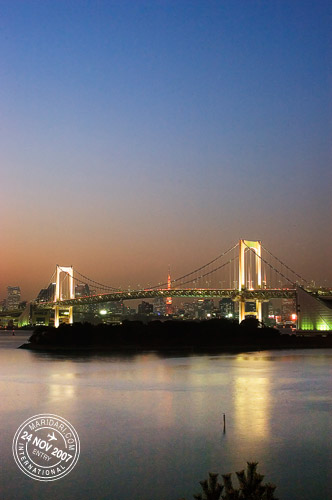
250	323
250	482
211	488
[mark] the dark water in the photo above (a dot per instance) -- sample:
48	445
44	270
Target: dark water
151	427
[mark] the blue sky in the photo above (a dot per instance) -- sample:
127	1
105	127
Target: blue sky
140	134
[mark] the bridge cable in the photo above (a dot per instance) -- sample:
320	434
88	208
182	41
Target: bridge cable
51	280
202	276
196	270
212	271
81	282
274	269
97	283
108	287
102	285
285	265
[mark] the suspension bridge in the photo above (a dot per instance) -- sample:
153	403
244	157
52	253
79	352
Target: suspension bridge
246	272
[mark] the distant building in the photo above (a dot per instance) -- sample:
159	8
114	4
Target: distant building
265	312
159	305
13	297
145	308
189	309
82	290
46	294
208	305
203	308
117	307
288	307
227	308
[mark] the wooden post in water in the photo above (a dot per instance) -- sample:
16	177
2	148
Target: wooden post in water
224	421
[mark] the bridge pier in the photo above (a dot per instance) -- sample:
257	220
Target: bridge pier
259	310
58	315
243	313
242	310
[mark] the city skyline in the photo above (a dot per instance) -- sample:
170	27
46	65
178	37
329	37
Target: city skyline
136	137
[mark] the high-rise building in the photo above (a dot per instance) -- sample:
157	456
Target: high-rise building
159	305
189	309
145	308
82	290
265	312
288	307
13	297
46	294
227	308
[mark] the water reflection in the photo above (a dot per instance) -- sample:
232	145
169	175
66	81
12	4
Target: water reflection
252	395
60	392
252	405
150	417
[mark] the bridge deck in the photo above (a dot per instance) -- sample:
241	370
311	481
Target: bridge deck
260	294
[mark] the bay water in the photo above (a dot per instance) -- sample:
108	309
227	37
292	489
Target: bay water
151	425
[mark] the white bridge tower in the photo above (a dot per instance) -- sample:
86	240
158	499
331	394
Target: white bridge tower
256	247
69	271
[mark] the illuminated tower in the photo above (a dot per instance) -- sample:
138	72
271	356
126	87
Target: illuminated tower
256	247
58	293
169	308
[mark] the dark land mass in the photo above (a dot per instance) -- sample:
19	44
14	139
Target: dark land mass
210	336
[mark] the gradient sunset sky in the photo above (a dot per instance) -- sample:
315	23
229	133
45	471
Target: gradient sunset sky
138	134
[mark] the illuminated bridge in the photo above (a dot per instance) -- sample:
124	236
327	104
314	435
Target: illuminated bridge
210	293
246	272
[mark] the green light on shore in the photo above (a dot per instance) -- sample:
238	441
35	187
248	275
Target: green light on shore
323	326
103	312
306	325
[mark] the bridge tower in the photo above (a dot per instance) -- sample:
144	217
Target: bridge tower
256	247
58	293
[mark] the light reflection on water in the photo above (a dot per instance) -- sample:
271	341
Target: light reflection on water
252	405
151	426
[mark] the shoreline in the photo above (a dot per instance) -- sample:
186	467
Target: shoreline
127	349
213	336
